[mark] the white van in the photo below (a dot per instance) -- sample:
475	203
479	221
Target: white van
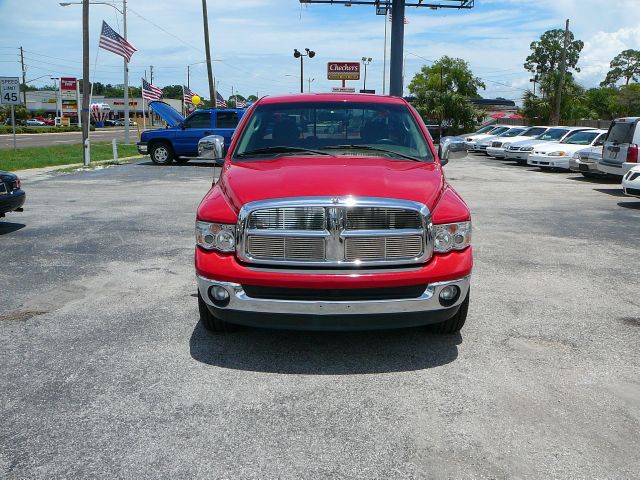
620	152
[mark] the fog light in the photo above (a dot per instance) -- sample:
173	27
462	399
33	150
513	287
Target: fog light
449	295
219	296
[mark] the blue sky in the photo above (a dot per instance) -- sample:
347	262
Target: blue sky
254	39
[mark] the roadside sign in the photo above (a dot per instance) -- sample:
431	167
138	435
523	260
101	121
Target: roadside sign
362	90
343	71
69	96
343	90
10	91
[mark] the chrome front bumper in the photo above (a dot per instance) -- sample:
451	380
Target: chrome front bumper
142	148
241	302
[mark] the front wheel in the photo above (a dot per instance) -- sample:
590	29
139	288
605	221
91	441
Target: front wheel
161	153
455	323
211	323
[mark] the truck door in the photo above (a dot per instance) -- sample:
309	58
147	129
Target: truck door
225	124
193	129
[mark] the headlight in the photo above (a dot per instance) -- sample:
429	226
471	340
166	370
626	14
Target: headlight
505	145
452	236
556	154
526	149
216	236
576	156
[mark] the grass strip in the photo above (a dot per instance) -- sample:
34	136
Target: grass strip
36	157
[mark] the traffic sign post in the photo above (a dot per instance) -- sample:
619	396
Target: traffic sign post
10	95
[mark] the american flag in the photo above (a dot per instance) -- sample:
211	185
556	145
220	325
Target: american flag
187	95
241	104
220	102
150	92
110	40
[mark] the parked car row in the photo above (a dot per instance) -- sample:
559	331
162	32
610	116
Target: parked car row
589	151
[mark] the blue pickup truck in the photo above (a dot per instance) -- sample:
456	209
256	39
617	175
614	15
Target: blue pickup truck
179	141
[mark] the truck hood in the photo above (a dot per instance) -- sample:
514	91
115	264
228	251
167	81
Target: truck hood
244	182
167	112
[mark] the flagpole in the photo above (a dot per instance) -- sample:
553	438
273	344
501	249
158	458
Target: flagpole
144	112
126	78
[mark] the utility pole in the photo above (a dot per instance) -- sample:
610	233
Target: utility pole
205	20
188	76
24	77
86	88
555	117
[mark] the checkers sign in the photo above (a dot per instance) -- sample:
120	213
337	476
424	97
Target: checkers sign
343	71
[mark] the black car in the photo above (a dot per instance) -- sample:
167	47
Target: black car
12	197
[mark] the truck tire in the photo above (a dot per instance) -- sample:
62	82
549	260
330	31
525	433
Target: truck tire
161	153
455	323
210	322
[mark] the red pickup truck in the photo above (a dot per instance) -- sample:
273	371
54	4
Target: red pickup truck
332	212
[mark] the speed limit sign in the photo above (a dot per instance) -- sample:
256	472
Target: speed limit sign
10	91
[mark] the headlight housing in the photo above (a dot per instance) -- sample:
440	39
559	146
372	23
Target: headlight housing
451	236
527	149
576	156
216	236
505	145
556	154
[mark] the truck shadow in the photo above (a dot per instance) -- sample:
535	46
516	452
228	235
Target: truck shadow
8	227
324	353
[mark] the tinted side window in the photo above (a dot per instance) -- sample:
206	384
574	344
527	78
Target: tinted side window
226	119
621	132
199	120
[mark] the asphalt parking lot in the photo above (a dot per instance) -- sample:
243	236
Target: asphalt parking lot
106	371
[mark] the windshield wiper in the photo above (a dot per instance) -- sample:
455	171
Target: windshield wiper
281	149
366	147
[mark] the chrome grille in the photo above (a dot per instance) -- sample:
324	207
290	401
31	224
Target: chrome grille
496	144
299	218
334	231
380	248
373	218
297	248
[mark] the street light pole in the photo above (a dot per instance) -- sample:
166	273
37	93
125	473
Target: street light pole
365	61
300	55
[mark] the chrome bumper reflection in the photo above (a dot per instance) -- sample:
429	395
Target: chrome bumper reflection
240	301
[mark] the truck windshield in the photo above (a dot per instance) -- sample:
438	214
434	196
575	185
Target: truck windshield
340	128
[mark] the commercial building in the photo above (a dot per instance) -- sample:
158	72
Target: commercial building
48	103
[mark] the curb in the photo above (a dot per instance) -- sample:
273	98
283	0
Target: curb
32	172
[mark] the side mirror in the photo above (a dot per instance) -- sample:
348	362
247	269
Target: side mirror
211	147
451	148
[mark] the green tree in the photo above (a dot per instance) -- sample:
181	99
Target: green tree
629	100
442	91
546	52
172	91
252	98
625	65
574	106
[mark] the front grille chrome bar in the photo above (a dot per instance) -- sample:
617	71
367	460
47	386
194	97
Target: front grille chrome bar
334	231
